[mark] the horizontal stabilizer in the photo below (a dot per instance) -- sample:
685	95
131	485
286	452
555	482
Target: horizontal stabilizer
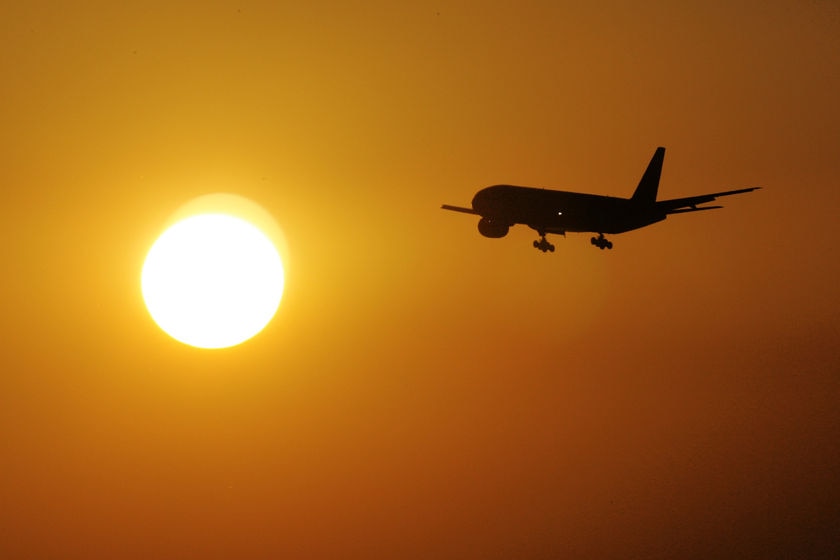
689	204
684	210
459	209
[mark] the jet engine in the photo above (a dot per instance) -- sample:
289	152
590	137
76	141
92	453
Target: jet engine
490	228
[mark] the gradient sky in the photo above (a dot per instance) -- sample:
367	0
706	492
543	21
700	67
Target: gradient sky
424	392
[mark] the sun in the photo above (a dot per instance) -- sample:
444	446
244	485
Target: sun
212	280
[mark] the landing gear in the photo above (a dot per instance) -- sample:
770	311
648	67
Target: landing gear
601	242
543	245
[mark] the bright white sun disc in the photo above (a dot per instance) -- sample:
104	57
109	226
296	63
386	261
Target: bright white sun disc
212	280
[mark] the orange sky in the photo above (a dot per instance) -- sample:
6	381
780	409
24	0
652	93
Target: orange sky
424	392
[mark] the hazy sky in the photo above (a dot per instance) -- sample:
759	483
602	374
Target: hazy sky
424	392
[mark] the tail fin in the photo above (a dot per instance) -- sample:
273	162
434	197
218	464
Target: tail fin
646	191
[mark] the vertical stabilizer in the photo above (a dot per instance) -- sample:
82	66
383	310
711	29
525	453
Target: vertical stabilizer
646	191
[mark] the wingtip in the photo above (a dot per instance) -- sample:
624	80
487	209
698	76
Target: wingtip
458	209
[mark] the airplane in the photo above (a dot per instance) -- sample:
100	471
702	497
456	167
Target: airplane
557	212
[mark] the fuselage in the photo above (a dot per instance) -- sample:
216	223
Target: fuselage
551	211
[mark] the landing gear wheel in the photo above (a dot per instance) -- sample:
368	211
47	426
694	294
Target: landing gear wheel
601	242
543	245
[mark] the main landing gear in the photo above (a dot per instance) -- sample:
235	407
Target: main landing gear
600	242
543	245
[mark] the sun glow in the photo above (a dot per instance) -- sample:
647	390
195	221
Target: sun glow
212	280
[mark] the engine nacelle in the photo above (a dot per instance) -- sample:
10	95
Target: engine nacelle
489	228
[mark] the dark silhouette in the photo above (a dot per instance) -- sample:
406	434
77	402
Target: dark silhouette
549	211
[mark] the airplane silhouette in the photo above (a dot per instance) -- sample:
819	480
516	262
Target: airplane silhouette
549	211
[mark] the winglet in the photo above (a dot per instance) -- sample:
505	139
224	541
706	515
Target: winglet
649	184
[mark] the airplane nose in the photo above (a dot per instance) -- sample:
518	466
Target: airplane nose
478	201
484	201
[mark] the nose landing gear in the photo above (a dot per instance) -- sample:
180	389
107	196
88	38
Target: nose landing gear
601	242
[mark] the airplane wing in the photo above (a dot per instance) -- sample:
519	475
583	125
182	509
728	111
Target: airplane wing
459	209
689	204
